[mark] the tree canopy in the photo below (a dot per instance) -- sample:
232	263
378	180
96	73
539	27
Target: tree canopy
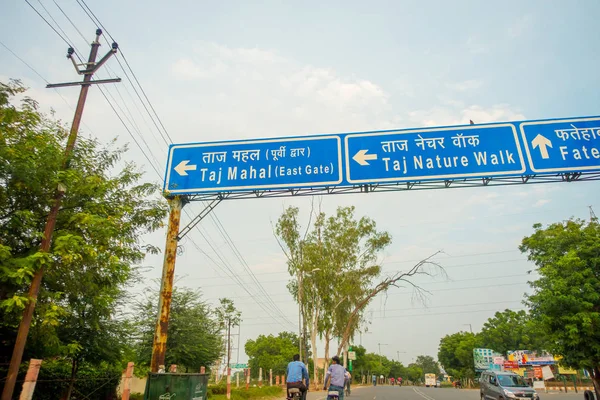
455	353
95	249
272	352
511	330
334	270
428	365
566	297
194	333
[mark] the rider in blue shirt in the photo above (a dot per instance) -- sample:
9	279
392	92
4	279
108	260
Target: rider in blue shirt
296	371
337	377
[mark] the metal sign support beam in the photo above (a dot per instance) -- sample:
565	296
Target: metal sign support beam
159	345
401	186
176	203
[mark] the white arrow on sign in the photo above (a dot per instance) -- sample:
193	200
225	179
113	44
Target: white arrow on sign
362	157
541	142
183	167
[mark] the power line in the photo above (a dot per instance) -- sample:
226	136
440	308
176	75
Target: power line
42	78
69	19
384	270
244	263
221	229
401	293
129	131
114	105
95	20
48	23
445	313
231	275
425	308
431	283
25	62
132	120
53	20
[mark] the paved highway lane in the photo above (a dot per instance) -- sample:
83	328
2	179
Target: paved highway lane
423	393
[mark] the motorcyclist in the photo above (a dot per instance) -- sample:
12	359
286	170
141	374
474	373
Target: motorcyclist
337	375
296	371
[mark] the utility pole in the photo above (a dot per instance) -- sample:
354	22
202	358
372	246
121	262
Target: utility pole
302	336
300	314
381	344
470	327
159	345
228	358
398	352
89	69
238	346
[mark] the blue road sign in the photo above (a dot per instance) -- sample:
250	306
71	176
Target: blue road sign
444	153
437	153
254	165
567	145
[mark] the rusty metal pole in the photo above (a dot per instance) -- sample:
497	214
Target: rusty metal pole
159	345
36	282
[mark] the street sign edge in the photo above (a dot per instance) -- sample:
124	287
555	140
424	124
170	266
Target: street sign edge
548	122
192	191
437	177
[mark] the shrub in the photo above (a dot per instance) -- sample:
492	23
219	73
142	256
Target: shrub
220	392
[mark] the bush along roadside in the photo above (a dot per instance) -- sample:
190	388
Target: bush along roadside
220	392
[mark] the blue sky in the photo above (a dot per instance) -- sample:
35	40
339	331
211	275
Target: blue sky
232	70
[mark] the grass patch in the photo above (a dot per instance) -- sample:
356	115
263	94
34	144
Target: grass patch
220	393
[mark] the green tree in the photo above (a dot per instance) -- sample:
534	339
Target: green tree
336	257
455	353
415	373
335	260
229	317
511	330
95	248
566	297
272	352
194	334
428	365
397	369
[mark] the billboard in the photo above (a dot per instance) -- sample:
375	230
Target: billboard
530	358
486	359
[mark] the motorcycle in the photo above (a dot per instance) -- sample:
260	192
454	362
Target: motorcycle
333	395
294	394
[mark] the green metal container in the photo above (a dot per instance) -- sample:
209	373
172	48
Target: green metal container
170	386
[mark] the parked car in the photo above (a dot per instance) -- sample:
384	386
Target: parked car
505	385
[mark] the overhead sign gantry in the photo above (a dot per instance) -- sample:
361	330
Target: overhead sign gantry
448	154
426	158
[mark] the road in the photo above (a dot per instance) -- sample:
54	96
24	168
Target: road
423	393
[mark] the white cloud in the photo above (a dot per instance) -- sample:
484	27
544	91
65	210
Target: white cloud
438	116
520	26
263	94
483	198
499	112
475	46
464	86
541	202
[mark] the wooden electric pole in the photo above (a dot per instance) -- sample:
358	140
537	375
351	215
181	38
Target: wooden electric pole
88	70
